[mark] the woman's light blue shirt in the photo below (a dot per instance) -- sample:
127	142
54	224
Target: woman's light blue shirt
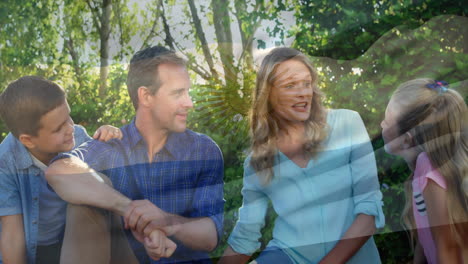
317	204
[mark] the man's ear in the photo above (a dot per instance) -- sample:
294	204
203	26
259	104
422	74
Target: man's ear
143	96
26	140
408	141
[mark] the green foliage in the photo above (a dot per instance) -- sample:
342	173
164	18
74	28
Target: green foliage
362	50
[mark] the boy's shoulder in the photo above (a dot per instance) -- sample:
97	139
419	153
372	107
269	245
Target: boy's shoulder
11	151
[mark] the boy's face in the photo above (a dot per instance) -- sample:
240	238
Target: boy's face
55	133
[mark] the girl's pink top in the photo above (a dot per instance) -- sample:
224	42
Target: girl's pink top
424	171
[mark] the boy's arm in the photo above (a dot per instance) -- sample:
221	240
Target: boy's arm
107	132
12	242
76	183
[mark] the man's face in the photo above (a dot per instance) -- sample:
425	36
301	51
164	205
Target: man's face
171	103
56	133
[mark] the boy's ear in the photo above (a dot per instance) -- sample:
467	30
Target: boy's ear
26	140
143	95
408	141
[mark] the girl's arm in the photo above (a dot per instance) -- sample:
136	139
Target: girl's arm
419	257
232	257
435	197
358	233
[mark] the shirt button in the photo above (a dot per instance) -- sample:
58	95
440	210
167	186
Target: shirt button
35	198
38	174
34	222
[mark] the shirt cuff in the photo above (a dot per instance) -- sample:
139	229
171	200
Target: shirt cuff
10	211
241	242
371	208
218	222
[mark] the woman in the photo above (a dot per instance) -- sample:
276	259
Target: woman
315	165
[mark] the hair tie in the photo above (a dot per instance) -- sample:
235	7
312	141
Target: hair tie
440	86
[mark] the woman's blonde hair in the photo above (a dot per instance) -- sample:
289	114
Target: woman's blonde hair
264	125
437	120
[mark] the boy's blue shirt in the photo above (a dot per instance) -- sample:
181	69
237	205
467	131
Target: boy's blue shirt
19	186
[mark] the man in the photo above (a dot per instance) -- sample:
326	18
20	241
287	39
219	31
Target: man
178	172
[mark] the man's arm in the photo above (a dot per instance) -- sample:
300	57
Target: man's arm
12	241
202	228
196	233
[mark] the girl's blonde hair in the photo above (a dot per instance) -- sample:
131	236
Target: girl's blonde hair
264	125
437	120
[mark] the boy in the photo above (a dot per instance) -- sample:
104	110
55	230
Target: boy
32	215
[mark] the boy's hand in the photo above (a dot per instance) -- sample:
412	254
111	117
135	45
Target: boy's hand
107	132
156	244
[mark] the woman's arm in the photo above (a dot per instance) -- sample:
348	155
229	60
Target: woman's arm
243	240
448	251
366	193
232	257
357	234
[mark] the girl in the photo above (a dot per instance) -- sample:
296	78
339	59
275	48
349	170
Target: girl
426	124
315	165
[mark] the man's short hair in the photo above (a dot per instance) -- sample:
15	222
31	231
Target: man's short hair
143	69
26	100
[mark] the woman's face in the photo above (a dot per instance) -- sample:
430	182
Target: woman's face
291	93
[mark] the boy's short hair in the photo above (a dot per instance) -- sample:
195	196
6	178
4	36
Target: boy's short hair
26	100
144	67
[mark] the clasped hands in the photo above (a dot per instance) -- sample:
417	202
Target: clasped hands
151	226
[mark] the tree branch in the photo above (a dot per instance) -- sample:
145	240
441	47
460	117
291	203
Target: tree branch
95	15
201	36
169	40
153	27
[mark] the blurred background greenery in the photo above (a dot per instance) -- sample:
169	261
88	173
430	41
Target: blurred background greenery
362	49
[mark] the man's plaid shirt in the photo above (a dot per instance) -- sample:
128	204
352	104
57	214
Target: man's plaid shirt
185	177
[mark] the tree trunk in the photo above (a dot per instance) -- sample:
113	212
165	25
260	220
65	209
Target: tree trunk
104	51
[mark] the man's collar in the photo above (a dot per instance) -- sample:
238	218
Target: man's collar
134	135
175	145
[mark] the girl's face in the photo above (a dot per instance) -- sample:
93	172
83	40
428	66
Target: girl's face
394	143
291	93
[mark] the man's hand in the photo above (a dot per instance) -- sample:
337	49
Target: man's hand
143	217
156	244
198	233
